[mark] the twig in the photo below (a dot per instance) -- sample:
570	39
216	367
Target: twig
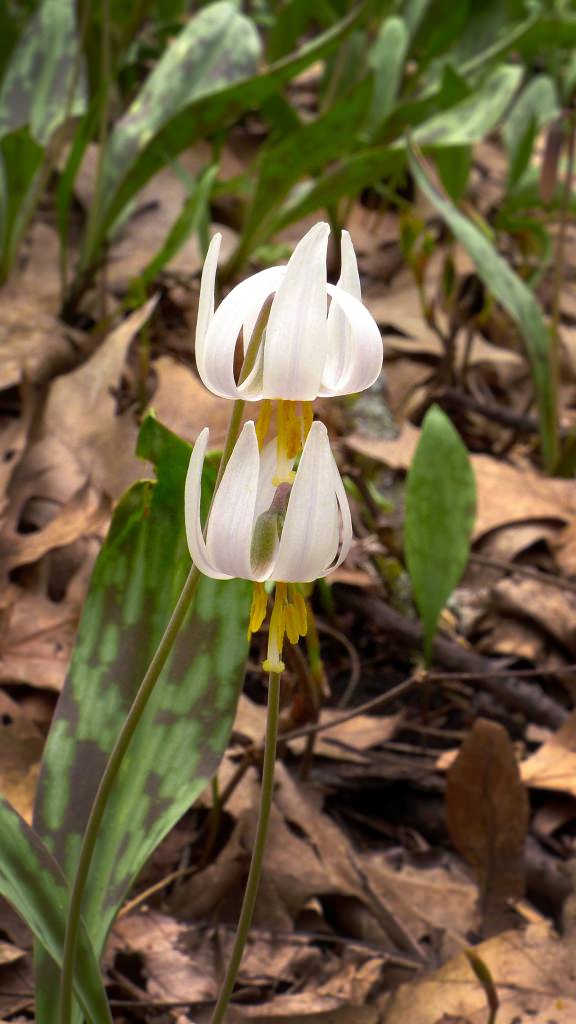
509	689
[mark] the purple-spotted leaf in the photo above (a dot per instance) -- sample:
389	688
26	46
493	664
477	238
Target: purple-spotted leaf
184	731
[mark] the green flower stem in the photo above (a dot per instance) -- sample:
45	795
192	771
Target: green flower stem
252	885
119	750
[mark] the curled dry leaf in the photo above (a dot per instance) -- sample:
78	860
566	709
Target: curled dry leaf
81	411
487	815
534	976
552	609
553	766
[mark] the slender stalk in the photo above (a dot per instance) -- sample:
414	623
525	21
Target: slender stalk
119	750
253	883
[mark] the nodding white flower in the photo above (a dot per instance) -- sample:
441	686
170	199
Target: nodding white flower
258	531
307	349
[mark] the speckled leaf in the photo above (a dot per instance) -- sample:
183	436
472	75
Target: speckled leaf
440	507
36	89
200	116
32	882
217	46
180	740
471	120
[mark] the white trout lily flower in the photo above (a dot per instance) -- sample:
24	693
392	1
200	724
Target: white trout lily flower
308	349
312	530
292	534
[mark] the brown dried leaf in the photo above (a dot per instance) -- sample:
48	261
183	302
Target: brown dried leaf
305	1008
85	513
534	976
553	610
179	963
81	411
346	742
506	494
553	766
33	344
487	815
182	403
37	639
21	746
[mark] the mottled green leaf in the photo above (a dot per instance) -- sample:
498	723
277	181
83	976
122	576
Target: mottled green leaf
205	114
386	60
180	740
440	506
515	297
32	882
471	120
44	84
216	47
536	106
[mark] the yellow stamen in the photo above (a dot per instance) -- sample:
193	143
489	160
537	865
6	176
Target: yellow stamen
263	422
292	631
258	609
307	417
292	429
289	619
276	632
300	610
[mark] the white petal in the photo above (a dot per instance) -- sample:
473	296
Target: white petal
296	336
349	278
206	300
192	494
355	347
266	489
231	522
310	537
345	517
216	367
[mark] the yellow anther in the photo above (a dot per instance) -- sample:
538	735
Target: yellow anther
292	631
300	611
289	619
258	609
263	422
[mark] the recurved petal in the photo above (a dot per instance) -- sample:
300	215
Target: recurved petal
349	278
231	522
206	300
345	518
192	494
296	336
310	536
266	489
216	363
354	346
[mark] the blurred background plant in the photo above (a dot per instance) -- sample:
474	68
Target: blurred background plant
146	81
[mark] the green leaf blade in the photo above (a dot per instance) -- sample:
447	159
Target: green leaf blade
440	509
185	728
32	882
516	298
